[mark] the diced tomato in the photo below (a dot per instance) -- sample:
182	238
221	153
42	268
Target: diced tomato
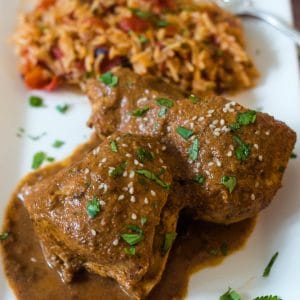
38	78
135	24
57	52
107	64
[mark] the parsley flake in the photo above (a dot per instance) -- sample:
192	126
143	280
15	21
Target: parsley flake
63	108
200	179
194	150
114	146
109	79
168	241
144	155
230	295
130	251
93	207
140	112
270	265
165	102
36	101
151	176
134	237
243	151
229	182
58	144
118	170
4	236
184	132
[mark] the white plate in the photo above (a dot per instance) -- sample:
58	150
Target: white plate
278	93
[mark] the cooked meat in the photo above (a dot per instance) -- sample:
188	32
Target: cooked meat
109	213
230	159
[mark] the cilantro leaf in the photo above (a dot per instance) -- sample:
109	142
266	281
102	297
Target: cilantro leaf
93	207
144	155
168	241
151	176
4	236
140	112
36	101
243	151
194	98
229	182
165	102
184	132
63	108
109	79
118	170
200	179
130	251
114	146
38	159
270	265
246	118
135	237
58	144
194	150
230	295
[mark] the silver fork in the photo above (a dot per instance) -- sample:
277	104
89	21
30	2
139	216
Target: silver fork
245	8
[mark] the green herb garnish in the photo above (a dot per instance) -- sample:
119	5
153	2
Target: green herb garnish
234	126
130	251
135	237
230	295
93	207
109	79
246	118
38	159
36	101
50	158
118	170
4	236
184	132
141	13
162	23
293	155
144	155
63	108
168	241
162	112
58	144
194	98
194	150
140	112
243	151
269	297
36	137
270	265
114	146
165	102
200	179
143	39
229	182
144	220
151	176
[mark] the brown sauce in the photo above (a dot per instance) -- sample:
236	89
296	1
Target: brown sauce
198	245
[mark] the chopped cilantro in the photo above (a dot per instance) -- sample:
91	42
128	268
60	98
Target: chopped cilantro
270	265
164	102
63	108
151	176
130	251
230	295
118	170
144	155
4	236
143	39
140	112
50	158
184	132
114	146
246	118
269	297
144	220
293	155
141	13
168	241
194	98
58	144
162	23
194	150
229	182
36	137
243	151
109	79
234	126
38	159
134	237
162	112
93	207
36	101
200	179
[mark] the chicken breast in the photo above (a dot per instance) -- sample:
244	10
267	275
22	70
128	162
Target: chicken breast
230	159
109	213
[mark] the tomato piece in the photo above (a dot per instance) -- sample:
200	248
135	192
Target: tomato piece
52	85
107	64
135	24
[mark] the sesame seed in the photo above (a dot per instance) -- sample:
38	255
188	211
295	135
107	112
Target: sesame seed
125	174
128	155
163	148
216	133
212	126
146	201
86	171
267	132
96	151
136	162
209	115
131	174
165	167
132	199
168	128
192	125
115	242
32	259
131	190
93	232
194	118
118	138
145	119
102	203
121	197
124	145
257	132
229	153
104	160
149	145
161	161
218	163
125	189
215	122
200	119
231	147
153	193
130	184
210	164
211	111
256	184
252	197
255	146
222	122
133	216
260	157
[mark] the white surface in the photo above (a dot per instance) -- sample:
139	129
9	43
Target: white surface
278	93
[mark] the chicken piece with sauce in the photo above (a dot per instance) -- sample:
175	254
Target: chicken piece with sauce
109	213
230	159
